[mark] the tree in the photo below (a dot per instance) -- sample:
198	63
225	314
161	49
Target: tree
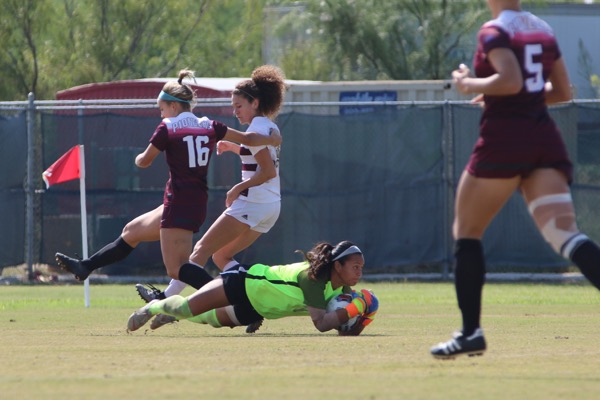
390	39
22	25
129	39
586	71
292	41
229	41
50	45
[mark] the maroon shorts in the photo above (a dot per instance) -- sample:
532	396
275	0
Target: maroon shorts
507	148
188	217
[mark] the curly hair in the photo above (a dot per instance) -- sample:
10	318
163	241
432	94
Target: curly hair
182	91
321	258
267	84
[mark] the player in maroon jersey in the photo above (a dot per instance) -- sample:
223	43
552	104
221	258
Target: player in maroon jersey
253	204
188	142
518	71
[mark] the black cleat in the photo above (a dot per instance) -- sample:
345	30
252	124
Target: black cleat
473	345
149	293
73	266
254	326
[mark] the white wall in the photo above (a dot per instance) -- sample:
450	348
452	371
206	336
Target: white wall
572	22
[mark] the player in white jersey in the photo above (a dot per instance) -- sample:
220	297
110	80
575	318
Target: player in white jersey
253	205
267	192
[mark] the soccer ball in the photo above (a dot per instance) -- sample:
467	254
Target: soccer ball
341	301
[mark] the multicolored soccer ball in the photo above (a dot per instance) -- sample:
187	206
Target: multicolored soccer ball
341	301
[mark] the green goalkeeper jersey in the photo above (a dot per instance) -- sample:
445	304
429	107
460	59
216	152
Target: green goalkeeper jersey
285	290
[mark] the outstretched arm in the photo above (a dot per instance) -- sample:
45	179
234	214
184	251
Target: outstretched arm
225	145
253	139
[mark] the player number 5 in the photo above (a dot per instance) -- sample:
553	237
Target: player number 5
197	154
536	82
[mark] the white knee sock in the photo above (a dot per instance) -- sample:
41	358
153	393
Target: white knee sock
175	287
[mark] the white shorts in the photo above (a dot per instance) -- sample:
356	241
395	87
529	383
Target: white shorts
259	216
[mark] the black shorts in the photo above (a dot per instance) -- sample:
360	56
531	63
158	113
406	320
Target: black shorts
234	283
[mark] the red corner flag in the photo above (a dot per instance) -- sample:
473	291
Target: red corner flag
64	169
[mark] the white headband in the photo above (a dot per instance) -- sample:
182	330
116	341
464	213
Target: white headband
350	250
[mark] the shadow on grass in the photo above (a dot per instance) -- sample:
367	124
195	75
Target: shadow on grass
149	332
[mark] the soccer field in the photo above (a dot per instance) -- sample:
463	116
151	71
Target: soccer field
543	343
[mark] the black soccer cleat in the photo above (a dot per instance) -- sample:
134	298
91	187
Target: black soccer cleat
254	326
150	292
73	266
473	345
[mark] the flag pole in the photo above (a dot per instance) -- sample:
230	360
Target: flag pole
84	238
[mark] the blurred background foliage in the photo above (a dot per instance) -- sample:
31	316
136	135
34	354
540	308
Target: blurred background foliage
51	45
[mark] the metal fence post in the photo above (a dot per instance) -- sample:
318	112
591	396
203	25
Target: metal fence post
29	189
448	149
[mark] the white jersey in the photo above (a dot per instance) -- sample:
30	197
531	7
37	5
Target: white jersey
269	191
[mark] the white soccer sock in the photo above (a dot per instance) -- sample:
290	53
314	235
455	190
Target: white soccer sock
175	287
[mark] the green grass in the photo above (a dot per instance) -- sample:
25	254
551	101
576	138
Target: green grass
543	340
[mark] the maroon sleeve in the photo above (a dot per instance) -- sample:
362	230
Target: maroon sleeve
220	129
491	37
160	138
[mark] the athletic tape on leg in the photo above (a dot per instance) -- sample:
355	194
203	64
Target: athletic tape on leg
562	241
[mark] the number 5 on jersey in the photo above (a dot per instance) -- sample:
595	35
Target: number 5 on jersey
535	83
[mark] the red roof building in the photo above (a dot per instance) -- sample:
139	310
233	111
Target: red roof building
148	89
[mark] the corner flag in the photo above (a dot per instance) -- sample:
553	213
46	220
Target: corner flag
64	169
72	166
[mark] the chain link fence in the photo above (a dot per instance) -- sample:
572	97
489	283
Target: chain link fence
383	176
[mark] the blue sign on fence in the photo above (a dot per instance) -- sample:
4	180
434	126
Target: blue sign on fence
361	96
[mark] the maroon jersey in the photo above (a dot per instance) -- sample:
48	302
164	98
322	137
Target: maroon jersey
517	134
535	47
188	142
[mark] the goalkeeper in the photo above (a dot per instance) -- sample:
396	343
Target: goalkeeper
272	292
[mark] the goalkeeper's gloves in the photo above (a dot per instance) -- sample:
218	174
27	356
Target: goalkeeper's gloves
356	307
372	305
